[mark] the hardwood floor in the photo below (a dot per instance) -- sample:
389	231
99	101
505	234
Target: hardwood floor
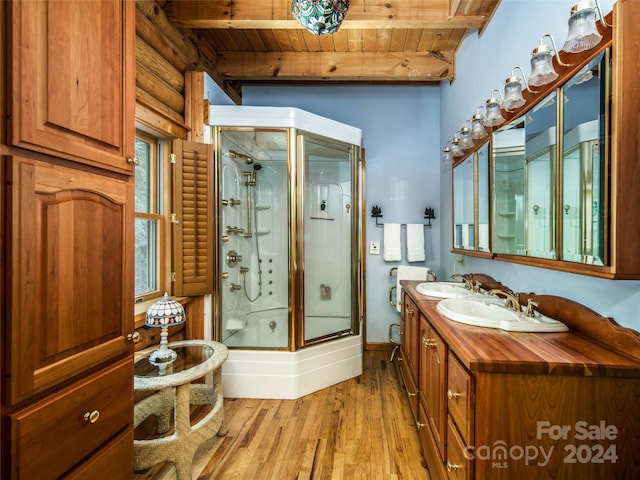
358	429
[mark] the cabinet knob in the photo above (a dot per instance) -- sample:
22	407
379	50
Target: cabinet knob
92	417
134	337
452	467
412	394
133	161
420	425
451	394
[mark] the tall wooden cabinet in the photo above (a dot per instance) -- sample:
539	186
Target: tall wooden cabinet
67	208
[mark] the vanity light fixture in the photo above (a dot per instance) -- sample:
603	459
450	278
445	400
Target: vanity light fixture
456	149
478	131
320	17
542	70
494	115
513	98
164	313
466	142
583	31
446	154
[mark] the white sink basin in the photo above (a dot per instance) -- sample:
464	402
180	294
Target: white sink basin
442	289
485	311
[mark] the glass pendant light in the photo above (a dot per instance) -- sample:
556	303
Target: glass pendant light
542	70
513	98
466	142
583	31
478	131
494	115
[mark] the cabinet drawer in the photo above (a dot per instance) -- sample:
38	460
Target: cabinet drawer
409	385
51	436
459	466
460	398
114	461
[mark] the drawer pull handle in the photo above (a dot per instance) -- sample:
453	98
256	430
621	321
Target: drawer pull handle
420	425
92	417
134	337
452	467
451	394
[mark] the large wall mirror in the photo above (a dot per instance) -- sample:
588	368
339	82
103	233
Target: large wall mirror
549	195
584	204
471	195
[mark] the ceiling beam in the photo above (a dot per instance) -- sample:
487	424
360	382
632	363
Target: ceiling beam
362	14
337	66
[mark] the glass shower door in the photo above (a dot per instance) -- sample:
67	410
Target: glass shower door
328	220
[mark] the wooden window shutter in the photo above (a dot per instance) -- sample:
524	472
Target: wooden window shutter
193	206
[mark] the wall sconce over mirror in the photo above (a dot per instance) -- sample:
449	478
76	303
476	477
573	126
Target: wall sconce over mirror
478	132
513	98
583	31
542	70
446	154
466	142
494	116
456	149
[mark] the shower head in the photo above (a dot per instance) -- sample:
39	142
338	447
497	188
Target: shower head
248	159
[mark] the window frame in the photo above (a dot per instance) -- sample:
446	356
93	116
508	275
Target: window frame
159	187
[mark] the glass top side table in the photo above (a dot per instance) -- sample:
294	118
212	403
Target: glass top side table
175	395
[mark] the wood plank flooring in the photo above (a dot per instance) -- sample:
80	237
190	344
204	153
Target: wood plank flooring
358	429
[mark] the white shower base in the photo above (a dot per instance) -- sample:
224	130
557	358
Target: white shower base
291	375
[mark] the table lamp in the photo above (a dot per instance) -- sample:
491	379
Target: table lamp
164	313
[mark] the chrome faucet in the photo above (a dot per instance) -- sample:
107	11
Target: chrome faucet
468	284
510	300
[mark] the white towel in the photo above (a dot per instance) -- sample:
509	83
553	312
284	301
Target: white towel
483	237
415	242
391	247
407	272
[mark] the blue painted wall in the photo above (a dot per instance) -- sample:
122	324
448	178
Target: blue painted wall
482	64
404	129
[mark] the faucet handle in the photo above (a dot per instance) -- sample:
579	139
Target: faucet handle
531	311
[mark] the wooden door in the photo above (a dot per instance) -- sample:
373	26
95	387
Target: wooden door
70	245
72	80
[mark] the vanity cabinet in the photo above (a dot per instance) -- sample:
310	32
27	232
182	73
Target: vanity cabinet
409	351
505	405
67	240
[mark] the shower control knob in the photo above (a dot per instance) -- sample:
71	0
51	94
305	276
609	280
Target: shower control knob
225	275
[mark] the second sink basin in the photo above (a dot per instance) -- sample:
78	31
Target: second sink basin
485	311
442	289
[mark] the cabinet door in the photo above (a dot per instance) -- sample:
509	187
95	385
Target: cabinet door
70	244
433	381
73	80
410	335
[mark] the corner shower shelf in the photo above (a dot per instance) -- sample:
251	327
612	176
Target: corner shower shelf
262	206
506	214
263	232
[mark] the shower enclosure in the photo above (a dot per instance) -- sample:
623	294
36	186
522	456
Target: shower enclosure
289	226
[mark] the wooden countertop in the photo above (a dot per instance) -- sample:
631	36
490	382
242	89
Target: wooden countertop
565	353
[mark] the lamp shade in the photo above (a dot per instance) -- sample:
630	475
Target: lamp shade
478	131
542	71
494	115
456	149
466	142
165	313
320	17
446	155
583	32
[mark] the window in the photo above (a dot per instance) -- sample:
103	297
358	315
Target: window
149	221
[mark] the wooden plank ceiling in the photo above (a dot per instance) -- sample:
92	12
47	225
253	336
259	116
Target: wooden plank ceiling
379	42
